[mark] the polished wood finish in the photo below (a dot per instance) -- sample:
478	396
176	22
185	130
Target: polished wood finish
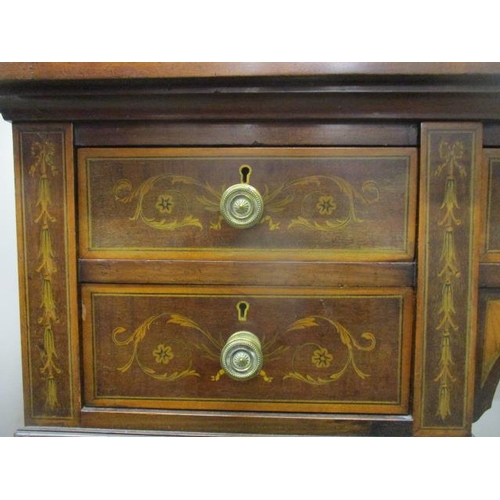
488	355
332	351
251	134
47	273
489	275
441	115
491	135
254	423
333	274
447	285
248	104
488	350
95	71
371	92
131	423
319	203
490	251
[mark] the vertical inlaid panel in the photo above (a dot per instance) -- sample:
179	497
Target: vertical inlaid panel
47	272
447	278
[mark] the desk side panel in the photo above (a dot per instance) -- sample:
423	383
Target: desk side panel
47	272
447	278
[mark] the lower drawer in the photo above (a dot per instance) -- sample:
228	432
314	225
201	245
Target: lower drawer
310	350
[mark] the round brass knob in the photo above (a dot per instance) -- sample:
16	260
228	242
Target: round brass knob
241	358
241	206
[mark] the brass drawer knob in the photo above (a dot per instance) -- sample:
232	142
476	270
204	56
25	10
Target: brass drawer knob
242	206
241	358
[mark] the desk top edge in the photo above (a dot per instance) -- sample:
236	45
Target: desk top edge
57	71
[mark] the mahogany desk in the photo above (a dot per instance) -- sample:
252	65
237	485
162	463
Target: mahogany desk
243	248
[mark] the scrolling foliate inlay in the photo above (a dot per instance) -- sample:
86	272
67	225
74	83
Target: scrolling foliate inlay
44	167
163	204
315	355
321	197
163	354
320	357
323	204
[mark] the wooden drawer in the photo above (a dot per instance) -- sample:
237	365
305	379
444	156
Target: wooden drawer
323	350
318	203
488	349
491	210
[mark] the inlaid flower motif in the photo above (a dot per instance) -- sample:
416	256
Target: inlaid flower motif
446	150
44	153
165	204
322	358
163	354
326	205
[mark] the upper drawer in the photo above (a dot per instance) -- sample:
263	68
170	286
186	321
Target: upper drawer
305	203
491	201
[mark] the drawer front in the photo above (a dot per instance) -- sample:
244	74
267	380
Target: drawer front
314	203
491	183
322	350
